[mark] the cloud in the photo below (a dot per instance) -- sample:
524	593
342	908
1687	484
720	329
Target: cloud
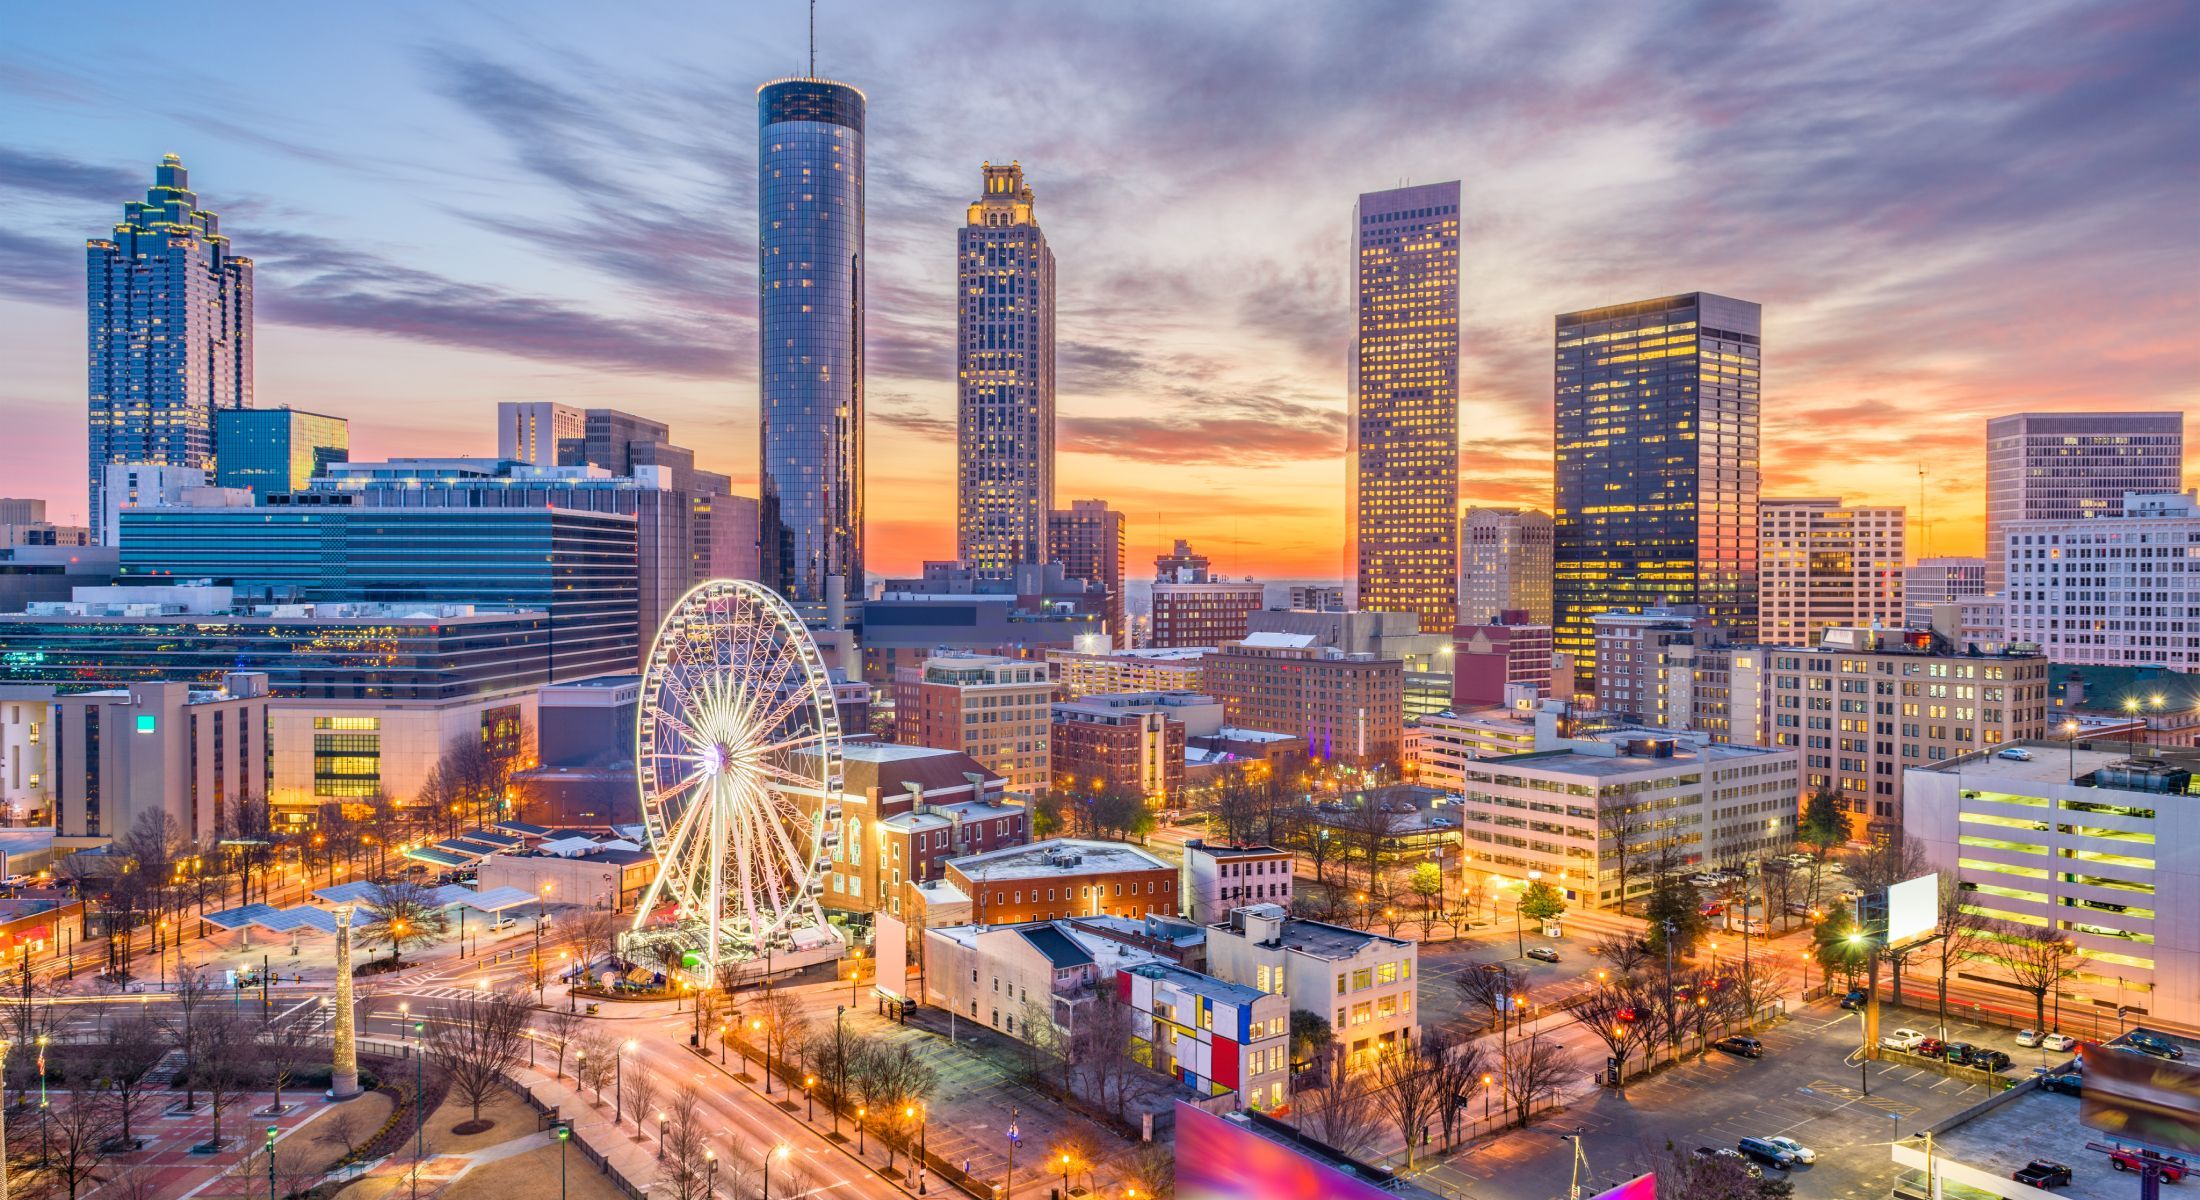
55	177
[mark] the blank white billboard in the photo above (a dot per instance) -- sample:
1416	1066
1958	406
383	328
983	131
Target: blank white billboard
1913	909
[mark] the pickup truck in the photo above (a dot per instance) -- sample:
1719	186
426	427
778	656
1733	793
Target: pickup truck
2043	1173
2127	1159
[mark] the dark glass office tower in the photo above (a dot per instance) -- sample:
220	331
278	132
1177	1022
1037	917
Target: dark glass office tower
272	450
810	337
1656	462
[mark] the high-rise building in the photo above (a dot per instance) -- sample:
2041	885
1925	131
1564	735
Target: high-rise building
810	269
269	450
168	310
1348	707
1824	565
1004	410
1932	581
1090	540
530	431
2069	466
2120	591
1193	608
1656	463
1504	565
996	710
1631	651
1403	496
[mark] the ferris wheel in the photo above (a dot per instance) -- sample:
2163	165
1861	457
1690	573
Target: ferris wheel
738	757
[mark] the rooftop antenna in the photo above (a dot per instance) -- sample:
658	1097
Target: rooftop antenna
1924	527
813	39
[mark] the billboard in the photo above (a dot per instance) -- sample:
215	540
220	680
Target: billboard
1913	909
1220	1160
890	949
1641	1187
2140	1097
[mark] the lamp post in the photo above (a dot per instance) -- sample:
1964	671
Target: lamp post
45	1140
725	1032
1486	1082
860	1112
3	1124
271	1162
756	1026
565	1134
1015	1139
1065	1175
2070	739
660	1136
710	1178
855	971
420	1108
779	1152
807	1081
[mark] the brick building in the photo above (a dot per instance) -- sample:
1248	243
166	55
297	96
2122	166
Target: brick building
905	811
1088	539
997	710
1218	878
1130	742
1064	877
1487	660
1193	608
1348	707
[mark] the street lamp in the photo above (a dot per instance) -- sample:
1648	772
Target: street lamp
1065	1175
1486	1082
420	1108
565	1135
779	1152
271	1161
660	1134
861	1112
807	1082
756	1027
710	1182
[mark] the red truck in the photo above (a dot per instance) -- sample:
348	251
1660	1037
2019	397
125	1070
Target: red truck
2125	1158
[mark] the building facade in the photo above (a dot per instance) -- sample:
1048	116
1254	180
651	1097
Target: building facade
1362	983
1403	494
1219	878
270	450
1657	464
1127	742
1348	707
168	316
905	812
1193	608
1024	977
2081	840
1065	877
1091	542
1504	565
2120	591
192	753
997	710
1631	650
1213	1037
1445	743
1931	581
809	336
1081	673
530	431
1825	565
2070	466
1317	597
1490	663
1004	372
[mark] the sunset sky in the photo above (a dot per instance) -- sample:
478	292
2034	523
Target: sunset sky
1949	211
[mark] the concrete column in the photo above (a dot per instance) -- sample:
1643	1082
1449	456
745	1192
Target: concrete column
343	1081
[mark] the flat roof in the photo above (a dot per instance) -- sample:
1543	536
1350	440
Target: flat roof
2052	762
1148	654
1200	984
1021	862
1218	850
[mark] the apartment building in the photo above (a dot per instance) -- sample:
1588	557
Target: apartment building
1129	742
1822	564
1214	1037
994	709
1191	607
1347	707
1081	673
2119	591
1219	878
1361	983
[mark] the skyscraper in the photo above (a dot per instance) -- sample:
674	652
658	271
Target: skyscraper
168	315
1004	412
1656	461
1089	539
2069	466
1825	565
810	268
1403	515
1505	565
269	450
529	431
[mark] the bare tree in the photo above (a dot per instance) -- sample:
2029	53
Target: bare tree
685	1164
284	1049
2037	960
1372	828
1532	1070
560	1030
588	934
1150	1168
831	1053
1622	827
133	1047
227	1077
1959	939
75	1140
1318	844
786	1024
1341	1112
1460	1068
1409	1089
595	1062
1101	1055
1622	1013
343	1129
186	1024
1780	891
398	914
1488	988
1627	954
641	1096
480	1044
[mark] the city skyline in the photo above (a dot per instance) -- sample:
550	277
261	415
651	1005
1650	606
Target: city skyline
1203	368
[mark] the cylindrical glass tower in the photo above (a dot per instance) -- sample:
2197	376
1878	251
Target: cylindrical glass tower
809	217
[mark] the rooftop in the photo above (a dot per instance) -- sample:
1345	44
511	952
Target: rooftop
2081	763
1625	757
1149	654
1200	984
1219	850
1317	938
1057	856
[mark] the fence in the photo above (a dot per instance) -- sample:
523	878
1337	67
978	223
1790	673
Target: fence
546	1113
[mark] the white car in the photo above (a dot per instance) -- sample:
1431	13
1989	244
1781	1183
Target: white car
2059	1041
1901	1039
2015	754
1802	1153
2028	1037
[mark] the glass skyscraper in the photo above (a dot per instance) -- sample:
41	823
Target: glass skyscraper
1403	498
168	325
810	267
1656	462
1004	412
272	450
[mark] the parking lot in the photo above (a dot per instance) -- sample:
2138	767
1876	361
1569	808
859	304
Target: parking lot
1809	1086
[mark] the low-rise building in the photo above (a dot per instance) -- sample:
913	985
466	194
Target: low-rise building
1219	878
1081	673
2078	838
1361	983
1130	742
1065	877
1014	977
904	812
592	872
1280	755
1448	741
1214	1037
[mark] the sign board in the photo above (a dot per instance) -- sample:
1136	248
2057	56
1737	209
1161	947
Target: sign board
1218	1159
1641	1187
890	950
2138	1096
1913	909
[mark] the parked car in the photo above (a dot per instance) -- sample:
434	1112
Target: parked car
2068	1083
2059	1041
1802	1153
1958	1054
1989	1060
2043	1173
2159	1047
1755	1171
1901	1039
2125	1158
1855	998
1930	1048
1744	1047
1543	954
1762	1151
2015	754
2028	1037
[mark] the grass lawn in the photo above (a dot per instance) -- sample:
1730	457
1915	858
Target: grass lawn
534	1173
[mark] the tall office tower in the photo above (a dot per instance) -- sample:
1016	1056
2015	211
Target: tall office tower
1656	462
1504	565
1004	411
1403	515
168	315
1822	565
809	217
529	431
1934	581
2069	466
1090	540
269	450
2114	591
